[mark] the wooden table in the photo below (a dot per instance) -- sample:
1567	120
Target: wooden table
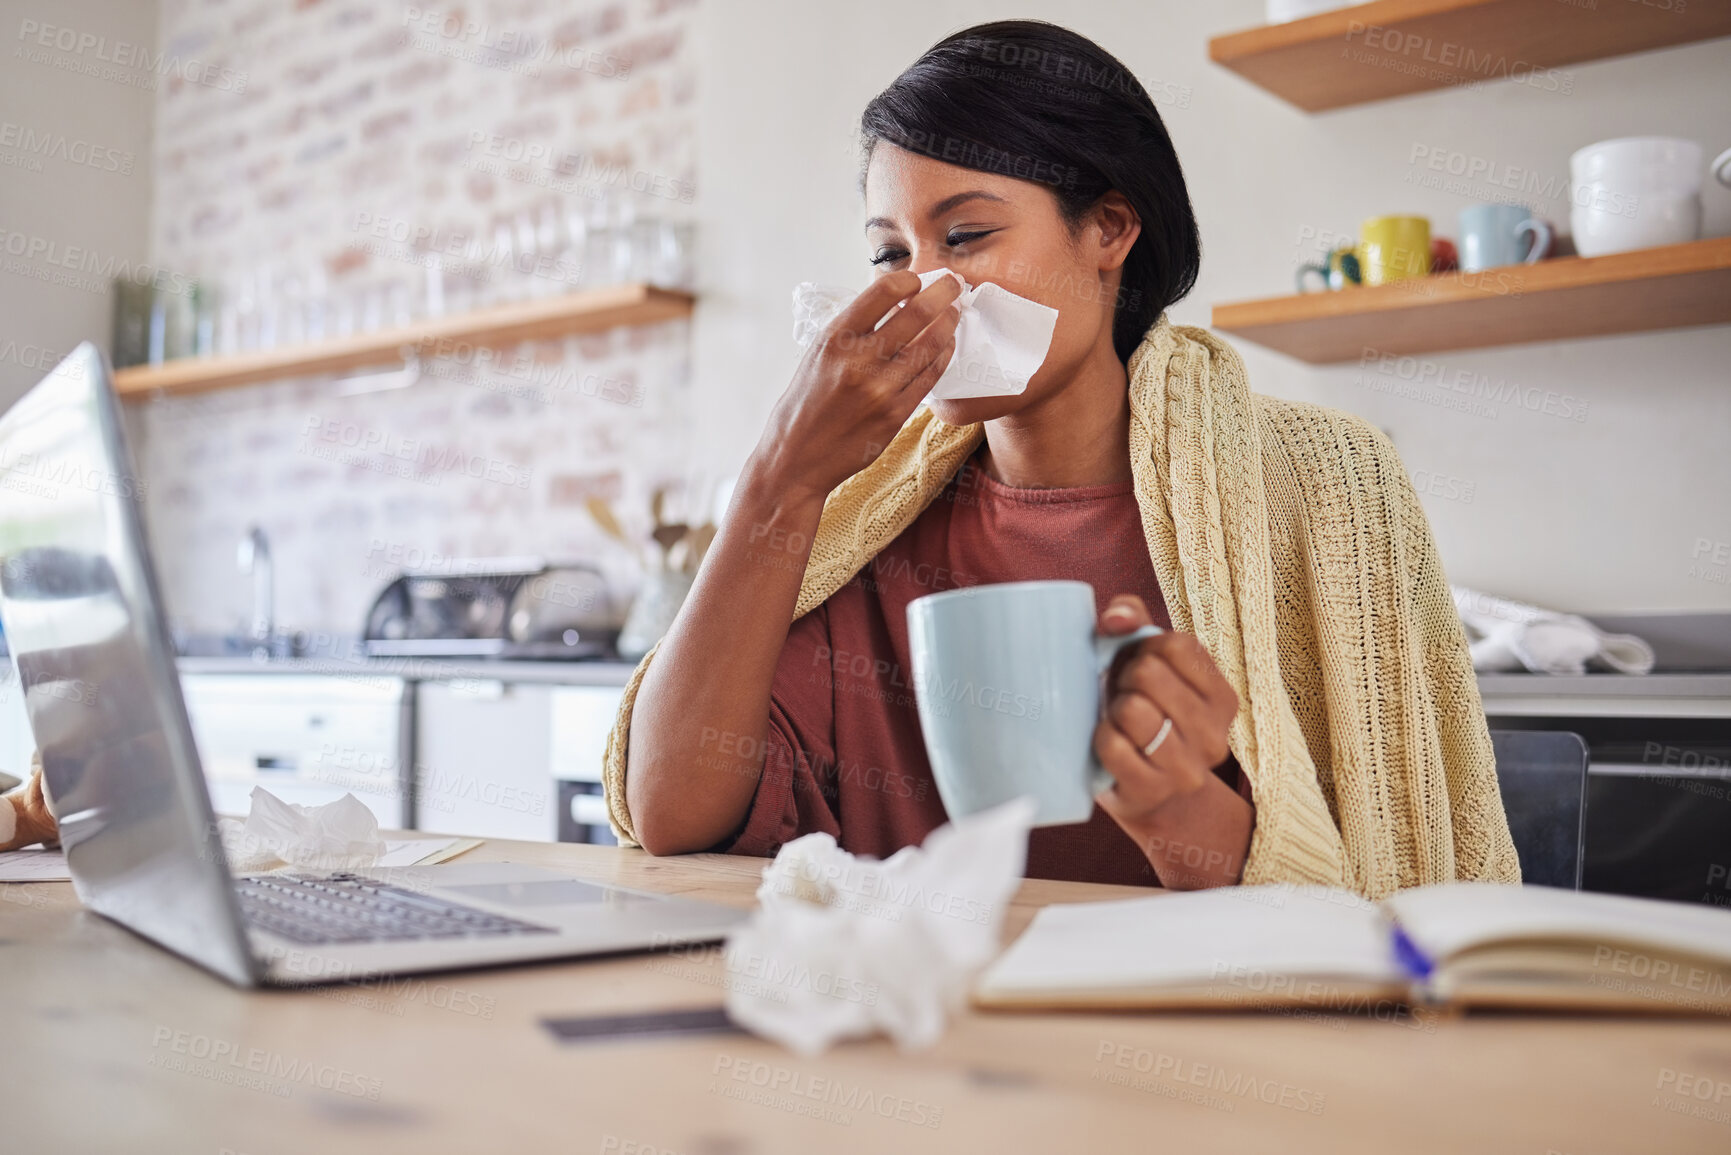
100	1056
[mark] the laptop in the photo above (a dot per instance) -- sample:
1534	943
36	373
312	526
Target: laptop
83	615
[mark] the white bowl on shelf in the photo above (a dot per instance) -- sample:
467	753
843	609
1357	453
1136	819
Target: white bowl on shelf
1654	221
1635	192
1284	11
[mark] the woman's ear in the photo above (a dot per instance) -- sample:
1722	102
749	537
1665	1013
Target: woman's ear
1118	226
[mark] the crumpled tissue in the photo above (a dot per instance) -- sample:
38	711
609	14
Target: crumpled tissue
1510	635
844	947
1001	339
340	835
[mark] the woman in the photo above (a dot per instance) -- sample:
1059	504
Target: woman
1312	717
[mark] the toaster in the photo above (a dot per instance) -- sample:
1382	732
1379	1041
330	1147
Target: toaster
505	608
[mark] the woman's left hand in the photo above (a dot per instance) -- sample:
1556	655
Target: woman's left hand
1167	715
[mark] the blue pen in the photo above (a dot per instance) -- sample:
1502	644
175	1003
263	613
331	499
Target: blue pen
1411	959
1416	964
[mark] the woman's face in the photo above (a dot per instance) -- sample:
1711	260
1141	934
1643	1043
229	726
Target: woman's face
923	214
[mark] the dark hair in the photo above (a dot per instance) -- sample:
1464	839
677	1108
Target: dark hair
1028	99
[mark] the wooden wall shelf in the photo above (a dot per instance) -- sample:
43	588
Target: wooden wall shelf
1390	48
1664	288
588	311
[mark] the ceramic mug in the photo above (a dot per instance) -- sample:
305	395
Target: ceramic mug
1008	682
1338	270
1636	192
1497	234
1394	249
1282	11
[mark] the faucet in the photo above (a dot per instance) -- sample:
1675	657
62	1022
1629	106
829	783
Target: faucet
254	558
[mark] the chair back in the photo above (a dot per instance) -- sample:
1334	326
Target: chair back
1542	775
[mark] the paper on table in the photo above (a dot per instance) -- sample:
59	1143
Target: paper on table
422	851
33	866
50	865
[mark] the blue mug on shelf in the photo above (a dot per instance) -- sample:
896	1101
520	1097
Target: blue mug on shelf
1497	234
1008	681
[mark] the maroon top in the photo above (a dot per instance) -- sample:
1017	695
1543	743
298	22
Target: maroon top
844	753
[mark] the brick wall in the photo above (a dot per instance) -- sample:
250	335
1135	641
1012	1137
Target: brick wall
350	142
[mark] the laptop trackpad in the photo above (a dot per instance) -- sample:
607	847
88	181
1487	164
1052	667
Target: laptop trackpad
553	892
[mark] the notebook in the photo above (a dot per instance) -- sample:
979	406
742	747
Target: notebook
1462	945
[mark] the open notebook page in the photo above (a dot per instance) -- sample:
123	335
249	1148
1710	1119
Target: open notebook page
1208	937
34	866
1451	917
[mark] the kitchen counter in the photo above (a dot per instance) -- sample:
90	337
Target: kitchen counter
422	669
1698	695
1684	695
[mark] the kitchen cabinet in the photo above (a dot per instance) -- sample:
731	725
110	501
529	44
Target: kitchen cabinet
486	749
483	759
508	759
305	738
582	719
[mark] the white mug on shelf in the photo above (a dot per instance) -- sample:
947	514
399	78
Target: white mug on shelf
1282	11
1637	193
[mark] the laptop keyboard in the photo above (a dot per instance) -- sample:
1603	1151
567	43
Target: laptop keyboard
339	908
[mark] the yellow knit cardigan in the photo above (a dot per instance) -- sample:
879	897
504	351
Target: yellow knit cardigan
1289	540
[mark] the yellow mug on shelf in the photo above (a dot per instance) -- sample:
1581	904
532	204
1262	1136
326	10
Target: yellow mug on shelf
1394	249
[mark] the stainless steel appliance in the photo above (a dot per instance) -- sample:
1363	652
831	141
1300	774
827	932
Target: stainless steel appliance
1659	774
523	608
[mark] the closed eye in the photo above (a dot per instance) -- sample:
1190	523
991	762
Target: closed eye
955	239
952	241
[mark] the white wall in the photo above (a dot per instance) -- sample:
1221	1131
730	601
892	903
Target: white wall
75	223
1596	516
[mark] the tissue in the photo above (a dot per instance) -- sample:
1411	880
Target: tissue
845	947
340	835
1510	635
1001	339
814	307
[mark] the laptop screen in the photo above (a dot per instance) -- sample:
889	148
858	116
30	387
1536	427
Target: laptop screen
78	597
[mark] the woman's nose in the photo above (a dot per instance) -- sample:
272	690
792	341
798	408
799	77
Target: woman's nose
925	262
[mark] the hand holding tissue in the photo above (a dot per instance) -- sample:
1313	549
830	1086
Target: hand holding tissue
1001	339
844	947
